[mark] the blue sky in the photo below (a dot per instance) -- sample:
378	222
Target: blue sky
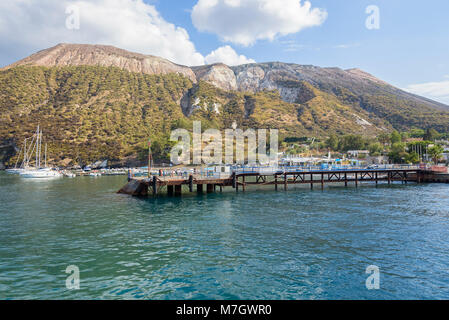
410	50
411	46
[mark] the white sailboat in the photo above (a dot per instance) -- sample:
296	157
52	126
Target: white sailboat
15	169
26	156
38	171
41	173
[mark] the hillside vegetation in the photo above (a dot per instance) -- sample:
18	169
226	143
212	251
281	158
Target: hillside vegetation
89	113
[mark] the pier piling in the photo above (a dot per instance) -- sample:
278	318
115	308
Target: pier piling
191	183
210	188
154	185
322	181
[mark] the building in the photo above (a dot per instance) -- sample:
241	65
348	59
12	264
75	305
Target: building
446	154
358	154
377	160
412	140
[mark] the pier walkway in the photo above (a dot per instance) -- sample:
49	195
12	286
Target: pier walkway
282	177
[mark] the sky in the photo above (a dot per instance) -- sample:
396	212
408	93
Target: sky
405	43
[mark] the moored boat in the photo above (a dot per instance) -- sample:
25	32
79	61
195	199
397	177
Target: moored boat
69	174
41	173
94	174
14	170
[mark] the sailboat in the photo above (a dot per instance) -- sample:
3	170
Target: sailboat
38	171
26	155
15	169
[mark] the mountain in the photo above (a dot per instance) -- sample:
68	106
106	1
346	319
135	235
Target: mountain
96	102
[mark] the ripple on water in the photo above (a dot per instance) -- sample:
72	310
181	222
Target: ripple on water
299	244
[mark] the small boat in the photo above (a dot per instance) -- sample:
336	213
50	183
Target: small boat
94	174
69	174
41	173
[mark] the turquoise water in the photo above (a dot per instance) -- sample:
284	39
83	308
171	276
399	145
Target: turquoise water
299	244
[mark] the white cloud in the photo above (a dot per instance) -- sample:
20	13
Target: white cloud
438	91
30	25
346	46
228	56
27	26
246	21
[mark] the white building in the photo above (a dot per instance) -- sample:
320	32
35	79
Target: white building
358	153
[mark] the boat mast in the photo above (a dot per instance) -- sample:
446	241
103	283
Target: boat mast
17	160
40	148
37	146
45	155
25	154
30	151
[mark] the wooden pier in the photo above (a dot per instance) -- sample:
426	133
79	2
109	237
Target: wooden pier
241	180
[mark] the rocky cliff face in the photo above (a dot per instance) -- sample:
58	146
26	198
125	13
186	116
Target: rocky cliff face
106	56
219	75
283	77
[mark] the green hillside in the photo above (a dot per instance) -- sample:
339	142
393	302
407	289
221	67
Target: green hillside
90	113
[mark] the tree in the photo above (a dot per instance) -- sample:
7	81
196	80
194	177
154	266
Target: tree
375	149
352	142
384	138
395	137
397	153
436	152
405	136
332	142
412	158
417	133
431	135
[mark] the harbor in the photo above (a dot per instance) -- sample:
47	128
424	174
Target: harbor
206	246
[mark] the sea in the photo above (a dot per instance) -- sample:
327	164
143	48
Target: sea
76	238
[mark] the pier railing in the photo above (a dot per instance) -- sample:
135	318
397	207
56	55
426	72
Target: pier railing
287	169
275	170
